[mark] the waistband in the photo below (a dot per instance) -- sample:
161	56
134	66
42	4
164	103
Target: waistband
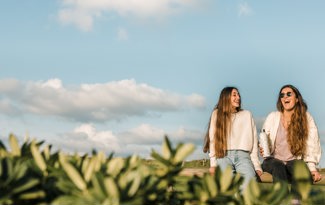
234	151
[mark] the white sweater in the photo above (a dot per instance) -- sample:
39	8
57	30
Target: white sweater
243	136
313	151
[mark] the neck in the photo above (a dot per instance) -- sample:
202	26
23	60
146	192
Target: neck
286	118
287	113
234	110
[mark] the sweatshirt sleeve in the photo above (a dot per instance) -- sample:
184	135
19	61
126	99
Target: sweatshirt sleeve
212	153
254	153
313	150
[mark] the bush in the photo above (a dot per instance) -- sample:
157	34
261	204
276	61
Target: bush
31	175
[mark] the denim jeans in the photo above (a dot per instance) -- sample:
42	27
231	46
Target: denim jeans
240	162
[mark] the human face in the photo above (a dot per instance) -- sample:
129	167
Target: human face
288	99
235	99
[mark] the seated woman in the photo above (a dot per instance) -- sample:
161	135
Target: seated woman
293	136
231	137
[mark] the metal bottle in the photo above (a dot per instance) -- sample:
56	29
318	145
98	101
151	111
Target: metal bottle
264	144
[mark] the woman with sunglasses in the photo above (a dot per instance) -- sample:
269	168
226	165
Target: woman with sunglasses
293	136
231	137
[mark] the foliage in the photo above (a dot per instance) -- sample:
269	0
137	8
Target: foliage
32	174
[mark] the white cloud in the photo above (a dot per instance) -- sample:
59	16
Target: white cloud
52	83
244	9
92	102
140	140
82	13
196	100
101	139
8	85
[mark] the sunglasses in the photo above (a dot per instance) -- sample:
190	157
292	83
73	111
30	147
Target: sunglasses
288	94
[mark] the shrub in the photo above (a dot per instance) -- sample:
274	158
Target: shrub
30	174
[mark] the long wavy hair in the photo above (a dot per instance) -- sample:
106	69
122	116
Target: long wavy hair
223	122
297	131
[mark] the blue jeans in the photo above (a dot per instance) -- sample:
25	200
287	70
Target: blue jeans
240	162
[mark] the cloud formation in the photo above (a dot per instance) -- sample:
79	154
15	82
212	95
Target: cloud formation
139	140
82	14
114	100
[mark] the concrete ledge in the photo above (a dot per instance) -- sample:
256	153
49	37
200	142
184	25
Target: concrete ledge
265	177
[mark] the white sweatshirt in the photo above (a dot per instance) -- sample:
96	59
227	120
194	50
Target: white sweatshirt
313	151
243	136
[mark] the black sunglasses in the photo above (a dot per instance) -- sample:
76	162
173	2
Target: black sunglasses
289	94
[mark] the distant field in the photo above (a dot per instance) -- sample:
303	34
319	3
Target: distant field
200	163
199	167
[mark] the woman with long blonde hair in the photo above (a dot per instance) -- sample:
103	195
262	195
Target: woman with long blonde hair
293	136
231	137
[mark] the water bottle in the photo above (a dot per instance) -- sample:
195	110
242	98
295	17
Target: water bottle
264	142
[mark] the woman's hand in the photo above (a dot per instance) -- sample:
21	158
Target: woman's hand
316	176
261	150
212	170
259	172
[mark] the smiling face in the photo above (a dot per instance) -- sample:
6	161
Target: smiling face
288	99
235	100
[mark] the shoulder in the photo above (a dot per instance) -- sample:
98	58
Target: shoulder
273	114
309	117
245	113
214	113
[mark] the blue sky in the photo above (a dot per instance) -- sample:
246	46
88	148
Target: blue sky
119	75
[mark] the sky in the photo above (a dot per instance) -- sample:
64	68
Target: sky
117	76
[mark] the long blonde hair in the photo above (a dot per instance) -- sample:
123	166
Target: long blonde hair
223	122
297	132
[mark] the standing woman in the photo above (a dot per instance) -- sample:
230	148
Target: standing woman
231	138
293	135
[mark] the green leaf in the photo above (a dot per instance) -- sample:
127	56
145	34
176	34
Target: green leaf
2	146
183	151
136	182
98	185
301	171
252	193
15	150
89	169
301	175
33	195
115	166
211	185
166	149
278	193
30	184
160	159
111	187
38	157
226	179
72	173
85	161
46	152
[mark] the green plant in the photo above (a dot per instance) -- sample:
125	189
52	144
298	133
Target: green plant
18	183
31	174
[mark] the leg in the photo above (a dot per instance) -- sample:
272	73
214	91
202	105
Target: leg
244	166
275	167
290	170
224	162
